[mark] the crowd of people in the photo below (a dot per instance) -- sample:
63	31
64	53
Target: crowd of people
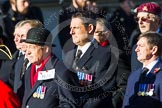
105	63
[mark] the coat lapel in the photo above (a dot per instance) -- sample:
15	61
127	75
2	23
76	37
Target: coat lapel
34	88
157	65
38	82
152	75
30	90
18	80
69	58
87	55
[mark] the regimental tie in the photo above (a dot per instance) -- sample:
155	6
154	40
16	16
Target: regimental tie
143	74
79	53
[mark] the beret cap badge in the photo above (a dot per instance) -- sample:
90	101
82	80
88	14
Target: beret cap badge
145	8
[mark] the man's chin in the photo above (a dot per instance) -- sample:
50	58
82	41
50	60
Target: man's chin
144	30
140	60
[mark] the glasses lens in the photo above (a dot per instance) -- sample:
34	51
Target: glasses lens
143	19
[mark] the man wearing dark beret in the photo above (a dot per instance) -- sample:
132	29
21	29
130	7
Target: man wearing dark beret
40	85
148	19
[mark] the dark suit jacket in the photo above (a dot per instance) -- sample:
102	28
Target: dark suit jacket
11	74
18	81
51	99
132	100
95	61
122	72
8	68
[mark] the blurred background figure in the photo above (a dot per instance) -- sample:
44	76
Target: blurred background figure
104	36
102	31
11	67
15	11
9	98
123	23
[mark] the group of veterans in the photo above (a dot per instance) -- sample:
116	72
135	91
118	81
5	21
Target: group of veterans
90	75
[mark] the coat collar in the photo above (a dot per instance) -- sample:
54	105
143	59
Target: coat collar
49	65
87	55
157	65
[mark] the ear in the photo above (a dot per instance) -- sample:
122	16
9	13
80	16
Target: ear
90	28
158	20
154	50
46	48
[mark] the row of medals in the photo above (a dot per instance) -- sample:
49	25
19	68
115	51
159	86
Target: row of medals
40	92
146	90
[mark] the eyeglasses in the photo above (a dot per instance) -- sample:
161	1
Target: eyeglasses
101	33
143	19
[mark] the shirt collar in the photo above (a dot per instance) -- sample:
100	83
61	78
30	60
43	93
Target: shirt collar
151	65
84	48
158	30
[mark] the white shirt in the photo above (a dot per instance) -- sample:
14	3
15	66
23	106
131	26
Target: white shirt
83	48
151	65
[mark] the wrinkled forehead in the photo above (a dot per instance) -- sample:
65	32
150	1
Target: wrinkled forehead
142	40
76	22
17	30
14	1
145	14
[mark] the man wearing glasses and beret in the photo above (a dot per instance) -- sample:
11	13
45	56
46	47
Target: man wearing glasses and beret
148	18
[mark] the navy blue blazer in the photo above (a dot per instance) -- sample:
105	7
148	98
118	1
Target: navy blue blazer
96	61
51	97
132	100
